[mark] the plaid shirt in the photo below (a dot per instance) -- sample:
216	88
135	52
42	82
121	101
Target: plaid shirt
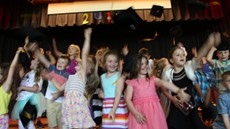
204	85
209	73
220	67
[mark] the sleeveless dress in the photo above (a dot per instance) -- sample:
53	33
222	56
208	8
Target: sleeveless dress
176	119
147	102
121	115
75	110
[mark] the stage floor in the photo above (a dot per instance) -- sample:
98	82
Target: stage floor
14	124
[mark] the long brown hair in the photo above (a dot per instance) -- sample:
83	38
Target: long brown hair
137	66
92	77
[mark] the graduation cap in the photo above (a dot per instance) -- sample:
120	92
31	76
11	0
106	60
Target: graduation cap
128	18
29	113
157	10
34	34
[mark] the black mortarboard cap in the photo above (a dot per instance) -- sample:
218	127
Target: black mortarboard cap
157	10
29	113
128	18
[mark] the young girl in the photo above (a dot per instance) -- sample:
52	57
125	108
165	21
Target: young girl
108	82
223	105
73	53
142	100
8	73
159	68
182	75
75	110
28	91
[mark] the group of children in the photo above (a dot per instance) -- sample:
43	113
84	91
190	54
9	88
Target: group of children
136	93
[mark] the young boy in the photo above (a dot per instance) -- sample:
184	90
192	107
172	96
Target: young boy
223	105
221	65
54	99
203	96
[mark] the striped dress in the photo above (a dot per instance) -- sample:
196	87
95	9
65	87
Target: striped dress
121	115
75	110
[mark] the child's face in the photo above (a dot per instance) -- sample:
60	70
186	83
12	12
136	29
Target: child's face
223	55
226	83
178	58
72	50
111	63
144	66
61	64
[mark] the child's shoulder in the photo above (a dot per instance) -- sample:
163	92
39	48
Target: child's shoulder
225	96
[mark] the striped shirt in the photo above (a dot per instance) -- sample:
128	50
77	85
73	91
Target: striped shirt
75	83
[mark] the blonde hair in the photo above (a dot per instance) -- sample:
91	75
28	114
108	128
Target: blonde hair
77	48
159	67
92	77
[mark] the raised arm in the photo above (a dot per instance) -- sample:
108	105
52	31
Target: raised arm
9	80
56	52
214	39
86	48
51	57
210	55
34	48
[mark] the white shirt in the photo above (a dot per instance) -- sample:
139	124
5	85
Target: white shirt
29	81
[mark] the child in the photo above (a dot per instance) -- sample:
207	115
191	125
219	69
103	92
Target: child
203	97
28	92
75	110
96	102
73	53
108	82
182	75
223	105
221	65
141	97
159	69
8	81
58	72
145	52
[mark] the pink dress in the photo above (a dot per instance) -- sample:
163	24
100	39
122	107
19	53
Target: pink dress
147	102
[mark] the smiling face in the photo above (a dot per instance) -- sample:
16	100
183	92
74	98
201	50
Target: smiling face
178	58
62	63
111	63
144	67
